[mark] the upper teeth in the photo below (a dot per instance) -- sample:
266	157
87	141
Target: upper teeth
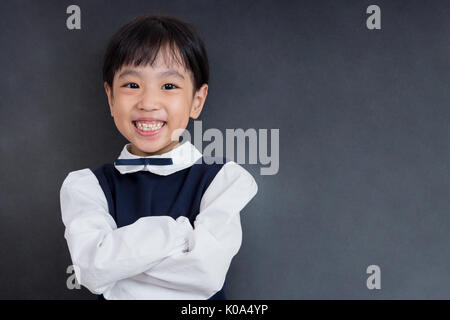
149	126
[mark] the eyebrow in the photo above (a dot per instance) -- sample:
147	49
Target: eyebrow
162	74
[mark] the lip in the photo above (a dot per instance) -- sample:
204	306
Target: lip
148	133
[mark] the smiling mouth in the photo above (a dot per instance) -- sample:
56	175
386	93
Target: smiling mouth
149	126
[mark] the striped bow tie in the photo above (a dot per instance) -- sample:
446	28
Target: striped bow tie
144	161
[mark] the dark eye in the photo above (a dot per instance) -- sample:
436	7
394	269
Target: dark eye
131	83
169	86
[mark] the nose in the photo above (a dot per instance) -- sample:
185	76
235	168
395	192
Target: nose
150	99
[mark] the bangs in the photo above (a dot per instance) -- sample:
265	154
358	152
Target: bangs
147	52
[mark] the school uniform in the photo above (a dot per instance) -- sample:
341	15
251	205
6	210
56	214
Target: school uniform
159	227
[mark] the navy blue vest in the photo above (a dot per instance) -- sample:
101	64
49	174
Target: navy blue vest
139	194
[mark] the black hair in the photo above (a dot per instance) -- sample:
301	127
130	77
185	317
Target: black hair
139	41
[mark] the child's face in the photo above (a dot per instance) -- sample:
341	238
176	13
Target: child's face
153	95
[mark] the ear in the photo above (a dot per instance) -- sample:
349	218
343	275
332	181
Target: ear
109	94
199	101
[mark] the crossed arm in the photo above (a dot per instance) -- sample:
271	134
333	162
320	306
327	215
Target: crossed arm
158	250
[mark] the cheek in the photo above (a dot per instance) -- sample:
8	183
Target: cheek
183	116
178	113
122	106
122	118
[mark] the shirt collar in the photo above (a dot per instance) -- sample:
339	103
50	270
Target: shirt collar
183	156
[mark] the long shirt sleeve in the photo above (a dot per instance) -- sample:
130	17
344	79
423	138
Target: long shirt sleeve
216	238
103	253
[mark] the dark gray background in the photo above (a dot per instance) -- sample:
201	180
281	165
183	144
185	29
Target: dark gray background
364	139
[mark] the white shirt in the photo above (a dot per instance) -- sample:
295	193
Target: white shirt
156	257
